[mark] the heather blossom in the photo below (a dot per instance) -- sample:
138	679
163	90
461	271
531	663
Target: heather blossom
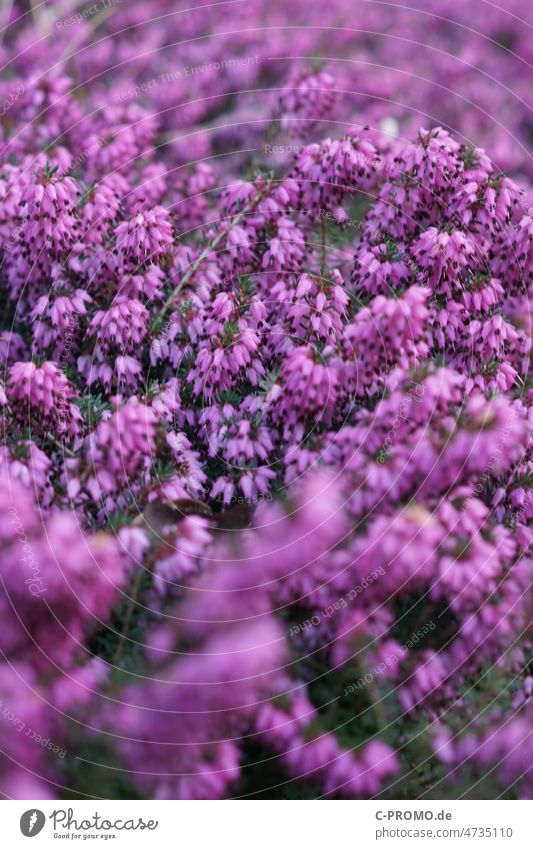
42	396
145	236
266	402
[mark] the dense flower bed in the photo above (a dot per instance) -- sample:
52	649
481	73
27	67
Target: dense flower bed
266	402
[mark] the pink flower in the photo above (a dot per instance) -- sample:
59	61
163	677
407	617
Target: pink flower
37	390
146	236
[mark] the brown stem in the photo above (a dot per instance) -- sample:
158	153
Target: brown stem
324	244
132	601
60	445
214	244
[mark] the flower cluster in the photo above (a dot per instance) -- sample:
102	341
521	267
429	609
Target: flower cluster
267	409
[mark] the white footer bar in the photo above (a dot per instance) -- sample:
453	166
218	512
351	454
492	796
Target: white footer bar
269	824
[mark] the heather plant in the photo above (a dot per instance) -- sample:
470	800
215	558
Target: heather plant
265	502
